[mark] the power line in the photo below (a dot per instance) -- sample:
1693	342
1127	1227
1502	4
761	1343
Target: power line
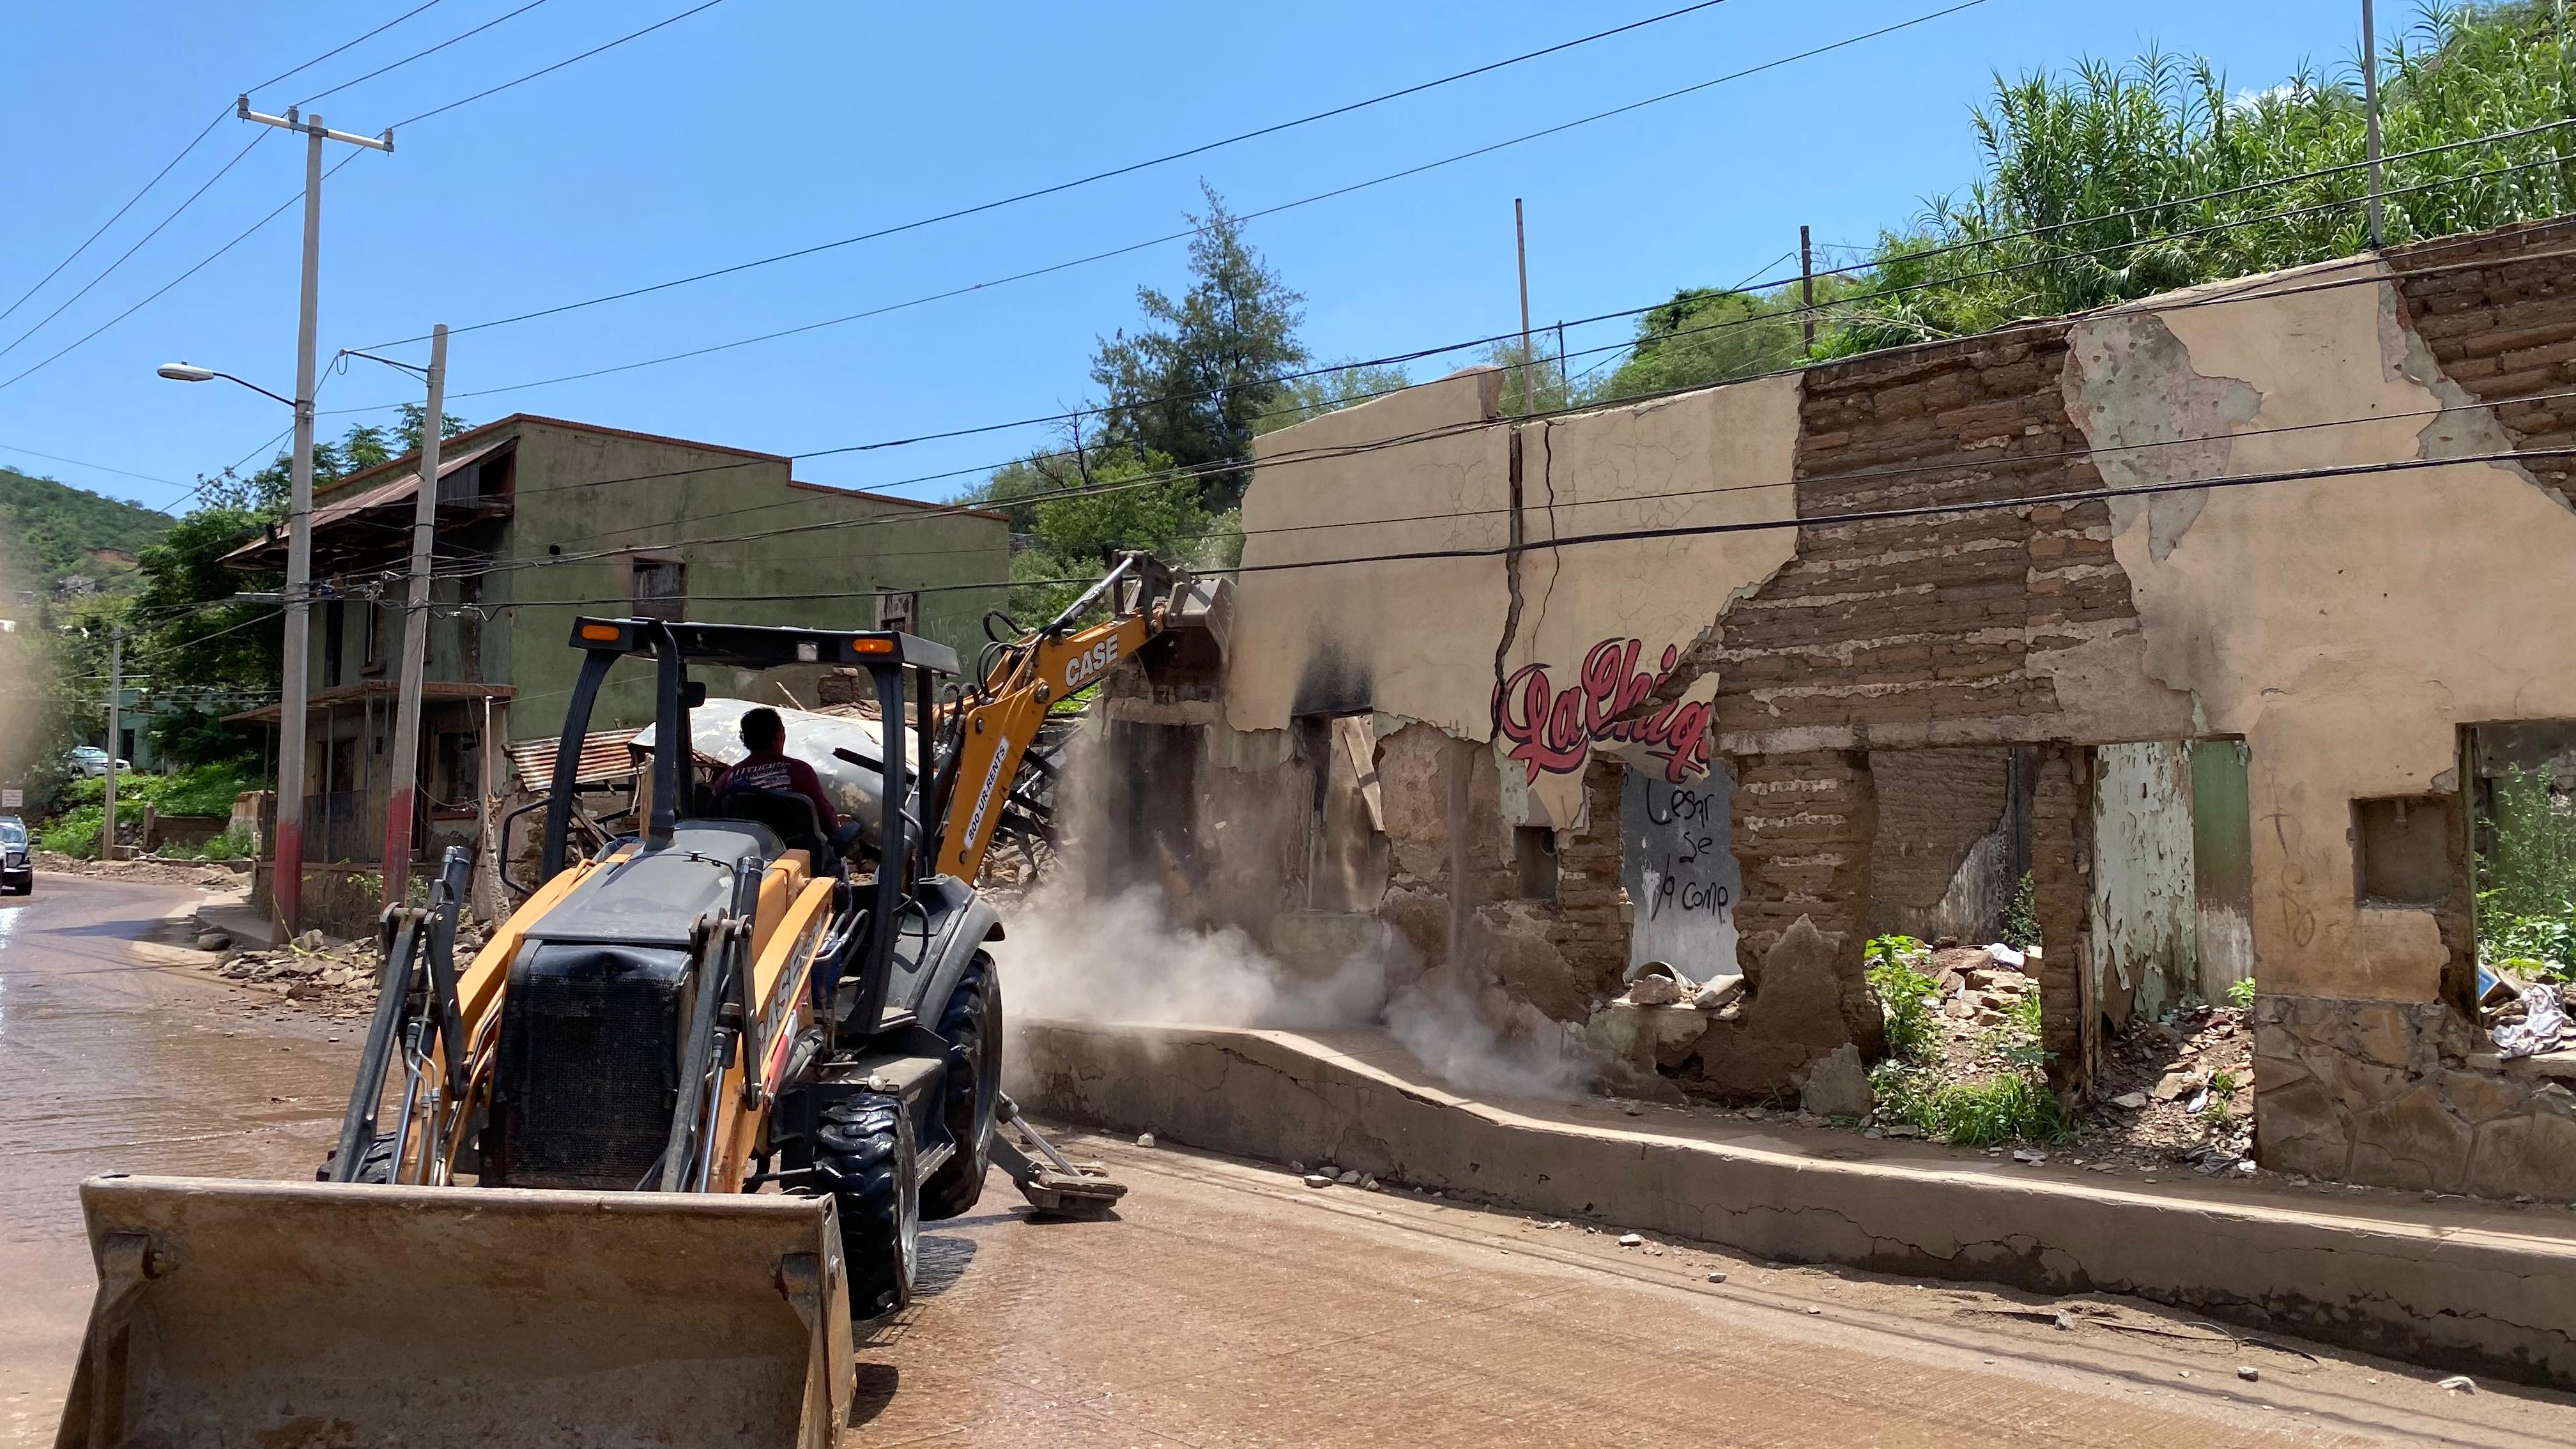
77	463
290	201
1435	433
558	65
121	260
1920	254
1769	525
1080	181
1204	470
418	54
145	189
184	152
244	236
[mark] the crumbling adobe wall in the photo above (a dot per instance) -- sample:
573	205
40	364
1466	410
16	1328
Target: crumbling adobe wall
1942	861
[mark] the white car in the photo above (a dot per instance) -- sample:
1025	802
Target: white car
91	761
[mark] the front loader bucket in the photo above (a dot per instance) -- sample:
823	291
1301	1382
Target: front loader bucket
345	1315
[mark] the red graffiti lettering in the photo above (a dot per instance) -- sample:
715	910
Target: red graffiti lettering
1553	731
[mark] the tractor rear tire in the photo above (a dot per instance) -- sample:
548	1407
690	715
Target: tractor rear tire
864	1148
971	1024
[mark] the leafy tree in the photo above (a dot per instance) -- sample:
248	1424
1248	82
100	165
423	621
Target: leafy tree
1302	398
2111	161
1190	382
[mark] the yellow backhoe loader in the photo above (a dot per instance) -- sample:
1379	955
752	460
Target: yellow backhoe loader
628	1176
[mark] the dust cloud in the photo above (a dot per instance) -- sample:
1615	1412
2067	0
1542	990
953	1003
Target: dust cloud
1122	959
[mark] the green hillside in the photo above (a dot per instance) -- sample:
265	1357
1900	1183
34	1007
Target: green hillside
49	530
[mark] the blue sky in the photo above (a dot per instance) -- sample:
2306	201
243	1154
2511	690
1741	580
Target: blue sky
759	126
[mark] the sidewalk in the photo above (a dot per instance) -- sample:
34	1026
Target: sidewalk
2454	1283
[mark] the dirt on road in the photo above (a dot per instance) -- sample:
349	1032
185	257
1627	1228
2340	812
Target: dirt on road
1229	1304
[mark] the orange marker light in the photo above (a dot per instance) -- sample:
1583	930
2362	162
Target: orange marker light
866	645
602	632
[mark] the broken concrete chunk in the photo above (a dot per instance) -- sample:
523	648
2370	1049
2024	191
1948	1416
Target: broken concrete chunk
1654	991
1718	993
213	941
1717	1277
1145	1139
1317	1179
2174	1085
1631	1240
2249	1373
1350	1177
2130	1101
1838	1085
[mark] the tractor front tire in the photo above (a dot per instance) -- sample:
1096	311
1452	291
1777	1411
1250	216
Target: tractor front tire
376	1164
865	1150
971	1024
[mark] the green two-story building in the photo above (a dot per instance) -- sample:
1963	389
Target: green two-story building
541	520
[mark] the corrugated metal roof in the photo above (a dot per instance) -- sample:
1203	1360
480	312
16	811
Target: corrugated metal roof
604	756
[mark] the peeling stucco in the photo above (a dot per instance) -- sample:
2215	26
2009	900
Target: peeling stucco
2344	626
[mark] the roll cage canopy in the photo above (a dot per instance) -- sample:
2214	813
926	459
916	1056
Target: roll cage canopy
905	670
761	646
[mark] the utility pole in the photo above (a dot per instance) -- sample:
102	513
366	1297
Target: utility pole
402	804
2370	116
1529	360
287	889
1807	289
115	697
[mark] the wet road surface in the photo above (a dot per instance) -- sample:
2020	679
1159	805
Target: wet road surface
1231	1305
1228	1305
116	1058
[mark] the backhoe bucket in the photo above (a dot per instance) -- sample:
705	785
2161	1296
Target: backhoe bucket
344	1315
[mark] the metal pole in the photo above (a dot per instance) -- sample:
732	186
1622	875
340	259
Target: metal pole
402	801
287	893
115	692
1529	360
1807	288
2370	116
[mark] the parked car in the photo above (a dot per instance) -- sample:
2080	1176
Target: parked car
91	761
17	870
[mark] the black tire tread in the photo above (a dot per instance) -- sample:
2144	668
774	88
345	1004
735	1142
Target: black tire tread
958	1185
863	1149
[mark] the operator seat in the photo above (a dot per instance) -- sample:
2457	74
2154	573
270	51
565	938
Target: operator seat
788	815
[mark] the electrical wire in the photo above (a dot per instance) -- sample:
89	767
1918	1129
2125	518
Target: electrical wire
1219	468
209	260
1128	169
558	65
1920	254
184	152
418	54
1280	461
121	260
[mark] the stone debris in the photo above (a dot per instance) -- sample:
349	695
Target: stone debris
1317	1179
2249	1373
2064	1320
1349	1177
1717	1277
2459	1384
336	978
2130	1101
1631	1240
214	941
1654	990
1838	1086
2029	1156
1145	1139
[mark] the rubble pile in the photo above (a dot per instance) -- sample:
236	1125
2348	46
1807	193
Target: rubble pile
209	875
2177	1090
333	978
2527	1016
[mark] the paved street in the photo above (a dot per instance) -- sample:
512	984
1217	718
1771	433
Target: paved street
1228	1305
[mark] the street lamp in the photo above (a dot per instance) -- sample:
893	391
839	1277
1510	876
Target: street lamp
191	372
286	887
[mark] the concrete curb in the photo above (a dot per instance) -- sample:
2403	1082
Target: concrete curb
2455	1291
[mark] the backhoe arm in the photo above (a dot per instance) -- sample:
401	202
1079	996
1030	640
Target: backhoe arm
999	729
